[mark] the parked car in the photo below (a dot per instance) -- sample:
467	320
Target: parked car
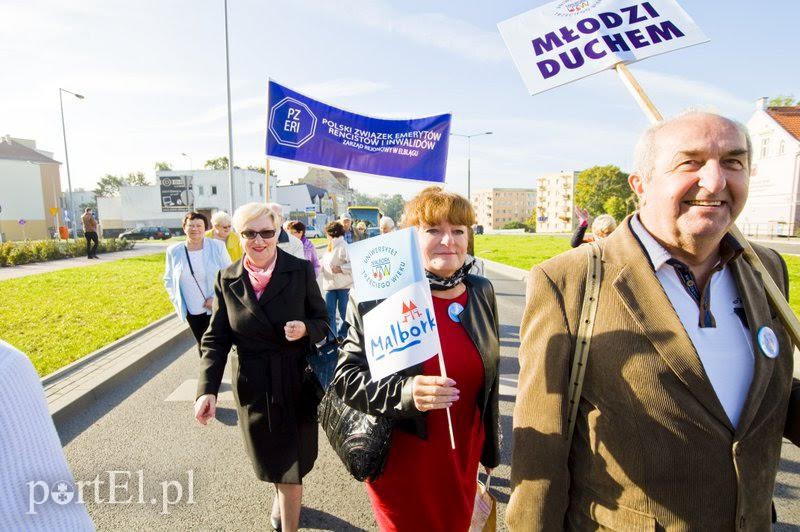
478	229
146	233
313	232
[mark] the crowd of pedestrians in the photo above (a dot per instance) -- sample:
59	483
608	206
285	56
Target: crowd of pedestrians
655	384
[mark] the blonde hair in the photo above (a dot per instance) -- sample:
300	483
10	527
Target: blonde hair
251	211
386	222
433	205
361	226
603	225
220	217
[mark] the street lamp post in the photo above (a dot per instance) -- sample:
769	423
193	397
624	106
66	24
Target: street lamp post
191	169
469	163
230	125
66	159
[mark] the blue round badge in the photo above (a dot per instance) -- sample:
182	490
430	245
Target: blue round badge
768	342
454	310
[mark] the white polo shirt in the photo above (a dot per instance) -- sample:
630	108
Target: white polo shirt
722	339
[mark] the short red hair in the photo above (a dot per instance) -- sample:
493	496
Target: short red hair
435	205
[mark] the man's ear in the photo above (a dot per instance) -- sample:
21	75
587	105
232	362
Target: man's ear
636	182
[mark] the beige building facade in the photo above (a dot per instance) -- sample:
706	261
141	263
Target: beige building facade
773	202
555	202
495	207
30	186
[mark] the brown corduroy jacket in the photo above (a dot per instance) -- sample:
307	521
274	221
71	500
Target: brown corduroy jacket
653	448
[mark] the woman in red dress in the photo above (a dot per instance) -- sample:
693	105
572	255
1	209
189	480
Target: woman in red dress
427	485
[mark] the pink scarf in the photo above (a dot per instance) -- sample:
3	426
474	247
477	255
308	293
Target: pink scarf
259	278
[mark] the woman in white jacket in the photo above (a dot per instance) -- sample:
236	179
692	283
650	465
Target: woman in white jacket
337	277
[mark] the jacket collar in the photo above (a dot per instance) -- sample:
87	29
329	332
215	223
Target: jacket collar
633	277
241	288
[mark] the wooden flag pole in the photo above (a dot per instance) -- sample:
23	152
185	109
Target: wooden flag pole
774	293
443	371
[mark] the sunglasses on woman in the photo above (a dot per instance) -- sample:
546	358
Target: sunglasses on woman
265	234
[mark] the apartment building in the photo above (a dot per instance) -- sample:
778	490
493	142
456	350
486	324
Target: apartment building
495	207
555	202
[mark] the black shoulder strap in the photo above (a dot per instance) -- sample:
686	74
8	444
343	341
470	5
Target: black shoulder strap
191	270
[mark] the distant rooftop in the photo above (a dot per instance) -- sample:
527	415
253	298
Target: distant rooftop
13	149
788	118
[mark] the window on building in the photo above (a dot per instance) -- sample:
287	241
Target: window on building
251	188
781	148
261	189
213	190
200	190
764	147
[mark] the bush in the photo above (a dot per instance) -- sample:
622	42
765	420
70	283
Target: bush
514	225
25	252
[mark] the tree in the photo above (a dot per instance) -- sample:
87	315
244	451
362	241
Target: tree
220	163
163	166
108	185
616	207
783	100
136	180
598	184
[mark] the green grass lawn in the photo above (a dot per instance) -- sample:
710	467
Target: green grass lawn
524	251
58	317
521	251
318	241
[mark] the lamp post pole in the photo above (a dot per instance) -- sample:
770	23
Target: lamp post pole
469	158
72	216
230	125
188	207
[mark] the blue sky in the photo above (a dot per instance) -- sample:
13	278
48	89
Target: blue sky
153	73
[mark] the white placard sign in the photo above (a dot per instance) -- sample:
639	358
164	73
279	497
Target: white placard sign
384	264
401	331
566	40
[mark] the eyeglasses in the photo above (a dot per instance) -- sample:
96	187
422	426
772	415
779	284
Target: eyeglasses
265	234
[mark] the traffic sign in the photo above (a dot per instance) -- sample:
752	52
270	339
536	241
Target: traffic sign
53	211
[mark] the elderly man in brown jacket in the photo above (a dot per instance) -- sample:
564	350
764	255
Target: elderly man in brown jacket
688	388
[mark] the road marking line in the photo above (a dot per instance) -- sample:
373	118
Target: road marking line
187	390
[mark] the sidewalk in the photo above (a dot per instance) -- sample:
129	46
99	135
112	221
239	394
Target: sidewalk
23	270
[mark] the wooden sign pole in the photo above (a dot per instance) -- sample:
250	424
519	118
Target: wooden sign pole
267	198
773	292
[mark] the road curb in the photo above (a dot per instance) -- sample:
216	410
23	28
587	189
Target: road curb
75	387
518	274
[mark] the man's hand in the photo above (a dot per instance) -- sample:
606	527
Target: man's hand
208	302
337	269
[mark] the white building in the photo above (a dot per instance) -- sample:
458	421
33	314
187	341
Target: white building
30	185
337	184
555	202
307	203
772	205
138	206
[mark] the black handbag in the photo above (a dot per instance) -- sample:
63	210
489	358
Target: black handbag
360	440
322	360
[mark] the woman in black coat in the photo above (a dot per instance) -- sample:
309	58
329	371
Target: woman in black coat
269	306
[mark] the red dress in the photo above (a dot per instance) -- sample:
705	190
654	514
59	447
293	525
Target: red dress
427	485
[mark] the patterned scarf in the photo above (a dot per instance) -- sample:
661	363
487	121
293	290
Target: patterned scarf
440	283
259	278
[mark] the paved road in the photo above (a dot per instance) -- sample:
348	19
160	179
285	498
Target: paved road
23	270
782	245
147	426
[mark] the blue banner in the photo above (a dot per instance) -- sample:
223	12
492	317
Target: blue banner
304	130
